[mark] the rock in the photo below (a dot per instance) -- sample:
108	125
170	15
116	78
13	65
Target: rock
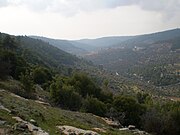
2	122
139	132
43	103
23	125
70	130
17	96
4	108
99	130
131	127
32	128
124	129
33	121
19	126
4	131
112	123
18	119
2	90
72	133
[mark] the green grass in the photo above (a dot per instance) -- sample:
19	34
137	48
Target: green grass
49	117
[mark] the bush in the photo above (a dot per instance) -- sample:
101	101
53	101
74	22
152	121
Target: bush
84	85
41	75
131	108
28	85
164	119
93	105
64	95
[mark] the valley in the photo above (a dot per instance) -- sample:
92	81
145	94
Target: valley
58	85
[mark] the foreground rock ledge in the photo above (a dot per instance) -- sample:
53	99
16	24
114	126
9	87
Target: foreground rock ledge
70	130
33	129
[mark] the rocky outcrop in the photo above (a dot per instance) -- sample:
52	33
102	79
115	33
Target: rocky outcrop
23	125
112	123
131	127
43	103
134	130
99	130
70	130
17	96
4	108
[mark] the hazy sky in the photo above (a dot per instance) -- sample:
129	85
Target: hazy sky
75	19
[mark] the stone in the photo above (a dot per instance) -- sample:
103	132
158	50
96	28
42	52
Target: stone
67	130
33	121
2	122
23	125
123	129
4	108
131	127
99	130
112	123
32	128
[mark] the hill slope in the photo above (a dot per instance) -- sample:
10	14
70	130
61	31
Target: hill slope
154	58
94	44
64	45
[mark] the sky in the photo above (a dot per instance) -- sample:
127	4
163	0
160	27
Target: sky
77	19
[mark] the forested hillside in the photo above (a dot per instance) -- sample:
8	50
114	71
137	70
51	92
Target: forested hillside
65	45
153	58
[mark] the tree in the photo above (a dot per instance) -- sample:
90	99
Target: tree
28	85
65	95
93	105
5	66
41	75
84	85
9	43
130	107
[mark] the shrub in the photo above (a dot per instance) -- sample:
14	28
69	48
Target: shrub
93	105
64	95
28	85
41	75
130	107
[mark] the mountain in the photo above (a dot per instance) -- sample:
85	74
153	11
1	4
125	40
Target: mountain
50	55
150	38
38	52
64	45
154	58
94	44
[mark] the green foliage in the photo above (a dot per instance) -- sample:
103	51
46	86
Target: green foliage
142	98
5	67
64	95
13	63
130	107
159	75
69	92
106	96
28	85
93	105
84	85
164	119
9	43
41	53
41	75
